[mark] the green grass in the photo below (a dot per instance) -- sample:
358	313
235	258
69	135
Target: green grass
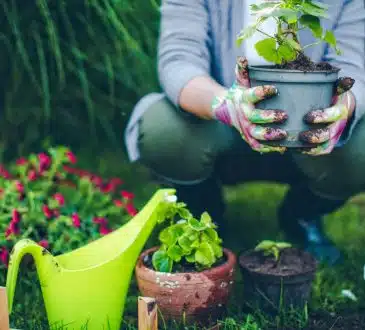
73	69
251	218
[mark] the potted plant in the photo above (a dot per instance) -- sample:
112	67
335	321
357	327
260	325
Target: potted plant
190	274
47	199
303	85
277	277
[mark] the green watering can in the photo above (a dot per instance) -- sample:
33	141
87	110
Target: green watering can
87	288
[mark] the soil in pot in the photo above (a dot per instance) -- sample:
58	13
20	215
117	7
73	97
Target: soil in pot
275	286
187	295
305	64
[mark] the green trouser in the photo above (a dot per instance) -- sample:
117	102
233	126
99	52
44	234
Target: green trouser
184	149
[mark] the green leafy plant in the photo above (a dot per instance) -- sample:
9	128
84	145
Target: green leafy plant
291	16
188	241
272	248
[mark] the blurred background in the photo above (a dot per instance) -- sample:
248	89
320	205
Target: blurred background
72	70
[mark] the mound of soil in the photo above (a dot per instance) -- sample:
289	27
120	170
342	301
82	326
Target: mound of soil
304	63
291	262
183	266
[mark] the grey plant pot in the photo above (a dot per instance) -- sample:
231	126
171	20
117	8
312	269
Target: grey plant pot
299	92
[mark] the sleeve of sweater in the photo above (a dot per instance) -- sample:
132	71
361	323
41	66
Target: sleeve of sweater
350	34
183	48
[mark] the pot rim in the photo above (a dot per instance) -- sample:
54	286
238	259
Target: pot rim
283	276
270	68
230	263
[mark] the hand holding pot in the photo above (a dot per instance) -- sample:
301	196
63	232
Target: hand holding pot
337	118
236	108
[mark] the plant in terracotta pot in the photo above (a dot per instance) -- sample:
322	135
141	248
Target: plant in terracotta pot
277	277
190	274
302	84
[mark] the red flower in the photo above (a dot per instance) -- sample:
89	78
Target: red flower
47	211
131	209
4	173
71	157
59	198
100	221
21	161
19	187
118	203
107	188
32	175
116	181
127	194
13	228
15	216
44	243
97	180
104	230
8	232
4	255
76	220
44	162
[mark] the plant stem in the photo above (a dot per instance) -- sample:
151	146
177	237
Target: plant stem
268	35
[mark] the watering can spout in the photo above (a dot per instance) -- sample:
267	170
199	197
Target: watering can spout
45	263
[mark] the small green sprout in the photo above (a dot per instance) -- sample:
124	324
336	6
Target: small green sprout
272	248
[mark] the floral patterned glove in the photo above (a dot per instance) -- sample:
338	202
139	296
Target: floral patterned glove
236	108
336	116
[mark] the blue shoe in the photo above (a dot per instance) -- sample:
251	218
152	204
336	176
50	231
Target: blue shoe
318	244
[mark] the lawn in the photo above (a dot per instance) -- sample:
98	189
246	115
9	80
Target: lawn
249	222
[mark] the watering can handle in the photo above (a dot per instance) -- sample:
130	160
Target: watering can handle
21	248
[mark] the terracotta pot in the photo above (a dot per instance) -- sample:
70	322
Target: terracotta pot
189	297
271	293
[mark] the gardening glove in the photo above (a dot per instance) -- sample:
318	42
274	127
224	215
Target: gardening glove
337	117
236	108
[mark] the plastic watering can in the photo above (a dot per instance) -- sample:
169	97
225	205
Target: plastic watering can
86	288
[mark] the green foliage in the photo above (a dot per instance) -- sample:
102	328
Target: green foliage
291	16
188	240
74	69
272	248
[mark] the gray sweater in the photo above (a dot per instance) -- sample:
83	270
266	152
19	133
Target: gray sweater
197	37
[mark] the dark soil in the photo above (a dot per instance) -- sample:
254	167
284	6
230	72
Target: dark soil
304	63
183	266
291	262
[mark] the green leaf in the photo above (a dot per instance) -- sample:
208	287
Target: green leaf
330	38
267	49
190	258
290	15
161	262
293	44
175	253
283	245
196	225
312	9
246	33
217	249
206	219
204	255
264	5
212	234
313	23
286	52
264	245
168	236
185	243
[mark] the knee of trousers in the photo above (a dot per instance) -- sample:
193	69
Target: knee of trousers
339	175
179	148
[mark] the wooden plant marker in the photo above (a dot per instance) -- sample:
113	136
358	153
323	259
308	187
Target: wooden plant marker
147	314
4	312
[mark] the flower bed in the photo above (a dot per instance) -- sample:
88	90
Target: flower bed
46	198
